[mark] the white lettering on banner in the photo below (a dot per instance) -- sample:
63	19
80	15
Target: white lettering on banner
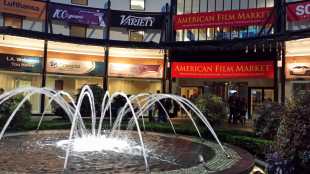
303	10
137	21
63	14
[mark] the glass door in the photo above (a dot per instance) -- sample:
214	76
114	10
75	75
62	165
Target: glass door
257	97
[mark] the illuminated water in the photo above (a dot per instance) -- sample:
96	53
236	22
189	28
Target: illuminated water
80	139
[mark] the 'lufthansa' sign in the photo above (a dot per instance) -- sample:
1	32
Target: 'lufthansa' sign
136	20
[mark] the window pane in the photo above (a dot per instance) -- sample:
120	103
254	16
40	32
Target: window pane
77	31
270	3
188	6
261	3
180	7
244	4
195	6
13	21
219	5
211	5
79	2
227	4
202	34
235	4
137	4
136	35
252	4
203	5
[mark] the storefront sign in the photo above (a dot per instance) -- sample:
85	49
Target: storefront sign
135	70
75	67
298	11
297	68
136	20
219	70
233	18
77	14
20	63
28	8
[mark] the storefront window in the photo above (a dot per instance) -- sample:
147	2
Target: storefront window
78	31
71	66
137	4
21	65
136	35
13	21
79	2
135	70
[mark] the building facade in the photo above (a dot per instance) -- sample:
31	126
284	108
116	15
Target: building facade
187	47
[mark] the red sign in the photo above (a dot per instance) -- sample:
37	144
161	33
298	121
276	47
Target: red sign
220	70
298	11
233	18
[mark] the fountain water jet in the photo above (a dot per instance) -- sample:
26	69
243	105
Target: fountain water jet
79	132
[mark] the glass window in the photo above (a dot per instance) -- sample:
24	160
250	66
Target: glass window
227	4
13	21
202	34
203	5
180	7
244	4
179	35
77	31
219	5
211	5
137	4
195	6
261	3
270	3
252	3
235	4
79	2
188	6
136	35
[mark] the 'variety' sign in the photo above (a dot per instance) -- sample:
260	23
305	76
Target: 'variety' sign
233	18
219	70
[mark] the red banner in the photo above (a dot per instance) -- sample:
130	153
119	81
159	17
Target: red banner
298	11
233	18
221	70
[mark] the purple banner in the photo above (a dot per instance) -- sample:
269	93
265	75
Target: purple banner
77	14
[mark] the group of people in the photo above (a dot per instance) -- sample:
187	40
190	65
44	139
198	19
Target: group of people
237	108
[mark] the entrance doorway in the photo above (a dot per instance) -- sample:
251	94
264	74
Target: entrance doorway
257	97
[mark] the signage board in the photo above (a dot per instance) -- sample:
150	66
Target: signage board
232	18
19	63
220	70
75	67
77	14
135	70
29	8
136	20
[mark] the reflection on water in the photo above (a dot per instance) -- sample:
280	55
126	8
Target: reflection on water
38	153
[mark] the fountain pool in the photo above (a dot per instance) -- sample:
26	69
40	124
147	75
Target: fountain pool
98	150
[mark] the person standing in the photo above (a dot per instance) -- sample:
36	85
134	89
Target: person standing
1	91
232	102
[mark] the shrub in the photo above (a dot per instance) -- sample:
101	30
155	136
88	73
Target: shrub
268	120
212	107
22	117
293	138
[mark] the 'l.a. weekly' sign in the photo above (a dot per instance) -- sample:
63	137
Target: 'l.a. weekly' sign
257	69
232	18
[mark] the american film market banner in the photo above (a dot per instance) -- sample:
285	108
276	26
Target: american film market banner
136	20
232	18
77	14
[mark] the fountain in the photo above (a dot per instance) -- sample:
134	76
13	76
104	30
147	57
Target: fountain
92	145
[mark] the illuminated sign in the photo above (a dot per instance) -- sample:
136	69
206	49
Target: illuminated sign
218	70
232	18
